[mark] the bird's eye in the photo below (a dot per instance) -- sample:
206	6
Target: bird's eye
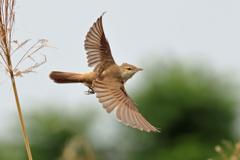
129	69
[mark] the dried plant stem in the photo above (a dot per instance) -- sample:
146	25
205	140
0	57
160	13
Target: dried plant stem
7	20
17	100
21	118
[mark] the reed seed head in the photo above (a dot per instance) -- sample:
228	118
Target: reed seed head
7	21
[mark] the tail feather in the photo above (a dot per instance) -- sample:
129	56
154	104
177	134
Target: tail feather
66	77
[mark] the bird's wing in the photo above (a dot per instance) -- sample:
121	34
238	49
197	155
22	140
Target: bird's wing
115	97
97	47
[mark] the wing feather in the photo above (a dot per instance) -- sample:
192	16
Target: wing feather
141	122
92	64
115	97
99	90
129	118
150	126
96	43
104	99
135	120
90	57
91	38
103	94
124	115
112	107
93	60
108	103
92	53
118	112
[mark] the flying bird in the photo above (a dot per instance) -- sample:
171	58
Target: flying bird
107	79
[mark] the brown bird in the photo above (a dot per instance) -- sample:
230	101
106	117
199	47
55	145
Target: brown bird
107	79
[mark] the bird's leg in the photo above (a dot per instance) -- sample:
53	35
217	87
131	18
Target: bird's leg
90	91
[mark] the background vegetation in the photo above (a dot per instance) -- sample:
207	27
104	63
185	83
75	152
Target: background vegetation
194	107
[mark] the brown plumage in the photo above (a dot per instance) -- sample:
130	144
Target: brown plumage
107	79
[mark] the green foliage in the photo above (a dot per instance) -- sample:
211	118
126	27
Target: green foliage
194	109
49	134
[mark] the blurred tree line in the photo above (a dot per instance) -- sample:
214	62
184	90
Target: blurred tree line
195	109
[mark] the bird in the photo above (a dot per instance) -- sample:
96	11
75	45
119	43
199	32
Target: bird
107	79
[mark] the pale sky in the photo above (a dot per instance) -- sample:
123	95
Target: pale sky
138	31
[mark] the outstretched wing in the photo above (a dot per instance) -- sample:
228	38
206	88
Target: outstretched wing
97	47
115	97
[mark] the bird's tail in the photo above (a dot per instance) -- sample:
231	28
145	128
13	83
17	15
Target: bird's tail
66	77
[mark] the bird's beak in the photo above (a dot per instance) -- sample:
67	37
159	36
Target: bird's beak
139	69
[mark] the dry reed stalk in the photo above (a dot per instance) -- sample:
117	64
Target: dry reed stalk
78	142
235	151
7	19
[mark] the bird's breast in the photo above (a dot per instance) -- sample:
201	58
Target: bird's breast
112	74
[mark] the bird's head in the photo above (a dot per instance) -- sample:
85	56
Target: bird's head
128	71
